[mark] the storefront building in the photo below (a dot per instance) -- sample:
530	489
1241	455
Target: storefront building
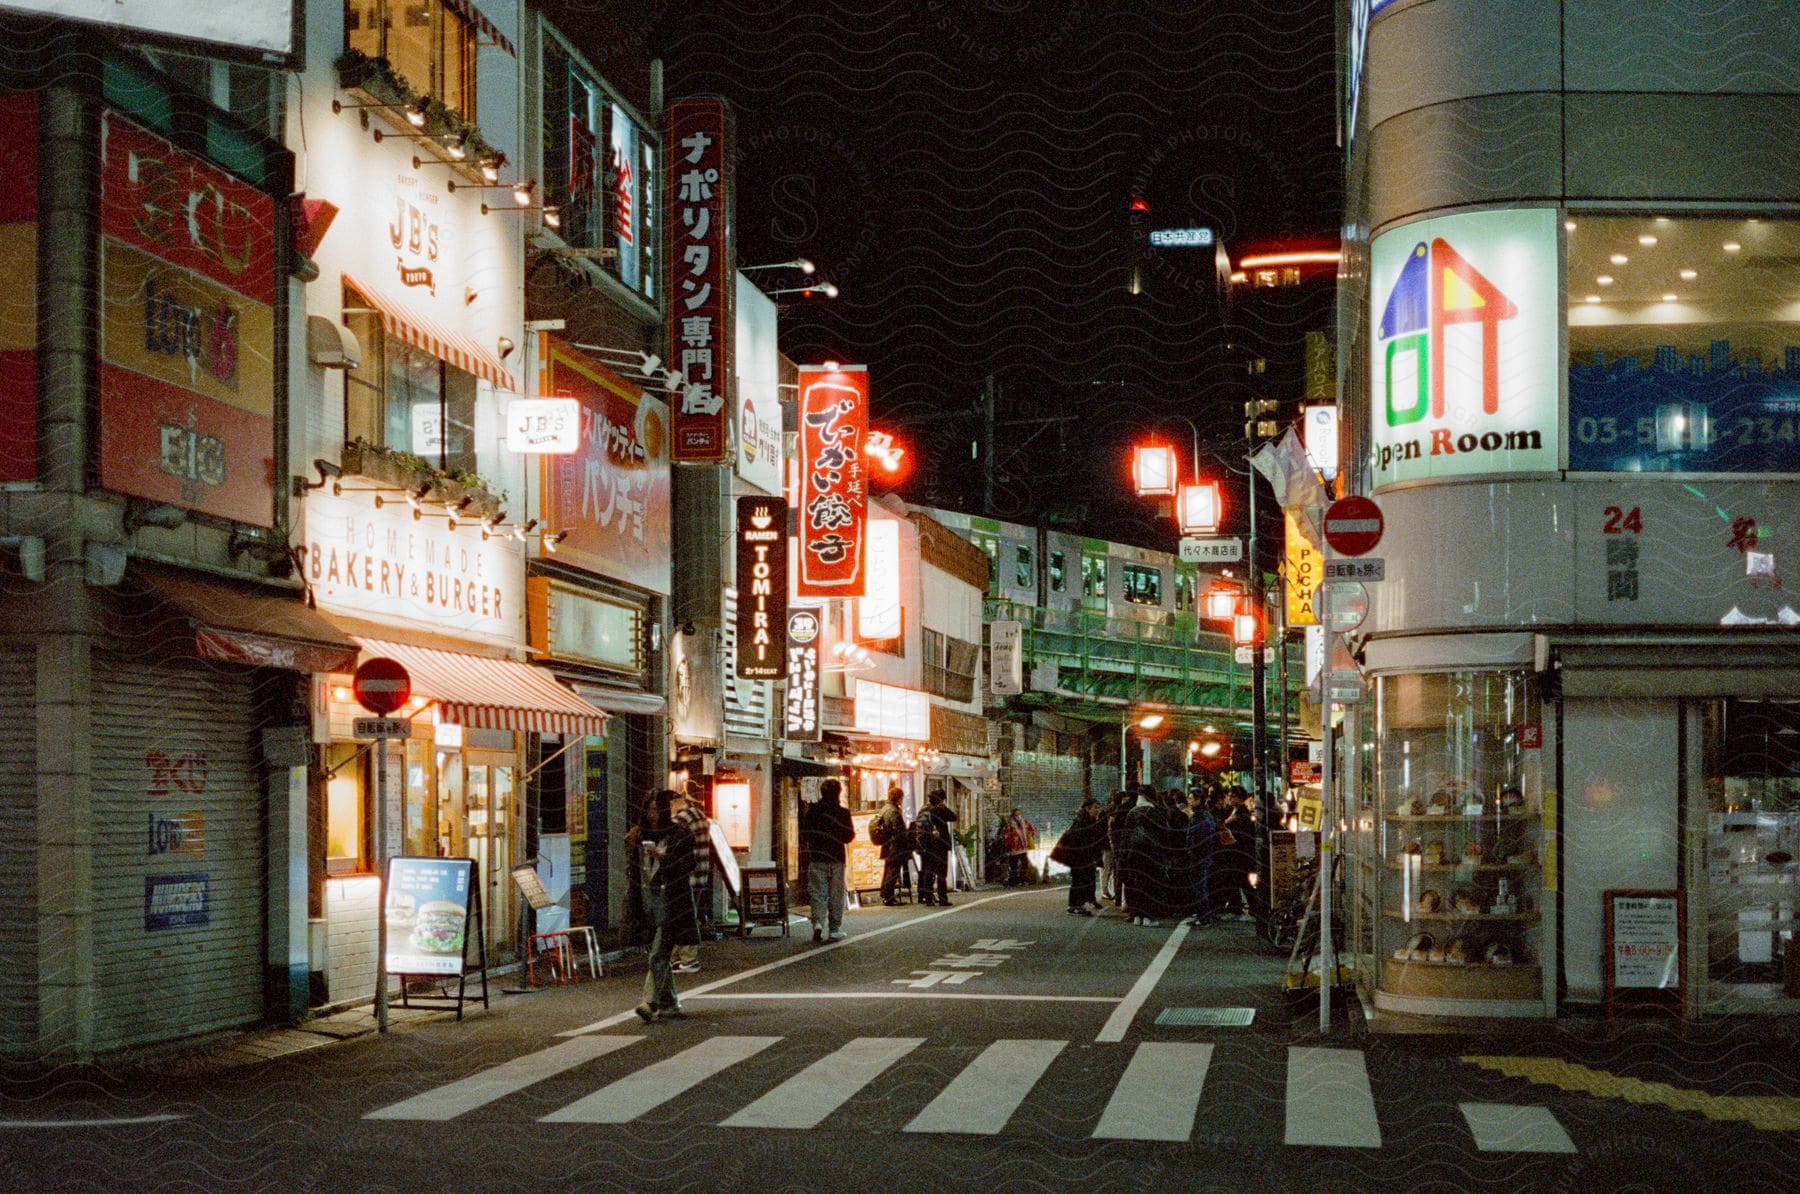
415	543
153	640
1568	361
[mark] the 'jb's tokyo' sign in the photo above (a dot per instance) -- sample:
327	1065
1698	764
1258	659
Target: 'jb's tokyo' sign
1465	367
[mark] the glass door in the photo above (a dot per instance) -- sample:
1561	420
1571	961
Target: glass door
492	817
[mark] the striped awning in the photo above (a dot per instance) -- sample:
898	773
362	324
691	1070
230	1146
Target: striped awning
487	28
422	334
491	694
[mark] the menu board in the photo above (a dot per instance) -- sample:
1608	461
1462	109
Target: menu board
864	857
1645	941
428	914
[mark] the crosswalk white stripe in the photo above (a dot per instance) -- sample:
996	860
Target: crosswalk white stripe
652	1086
1515	1128
804	1100
478	1090
984	1096
1159	1093
1329	1102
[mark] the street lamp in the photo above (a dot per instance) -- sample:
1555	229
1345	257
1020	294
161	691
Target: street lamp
1147	722
823	290
1153	470
1199	510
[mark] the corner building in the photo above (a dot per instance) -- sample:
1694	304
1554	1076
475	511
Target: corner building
1570	372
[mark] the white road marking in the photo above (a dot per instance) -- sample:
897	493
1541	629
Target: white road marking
1513	1128
816	951
984	1096
1126	1012
932	993
804	1100
89	1123
478	1090
652	1086
1329	1103
1158	1095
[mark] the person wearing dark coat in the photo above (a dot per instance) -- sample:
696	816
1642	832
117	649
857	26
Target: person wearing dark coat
669	854
931	837
825	829
1241	824
888	831
1138	863
1079	849
1114	821
1202	841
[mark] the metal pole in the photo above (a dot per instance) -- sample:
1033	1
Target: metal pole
1326	958
381	925
1124	752
1259	710
987	446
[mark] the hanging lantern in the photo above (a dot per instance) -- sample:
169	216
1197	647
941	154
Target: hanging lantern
1245	631
1153	470
1221	603
1198	510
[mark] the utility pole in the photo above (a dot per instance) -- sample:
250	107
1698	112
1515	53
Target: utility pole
988	398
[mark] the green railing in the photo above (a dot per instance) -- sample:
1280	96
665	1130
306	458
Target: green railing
1140	661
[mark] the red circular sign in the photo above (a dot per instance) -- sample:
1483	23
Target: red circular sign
1353	526
382	685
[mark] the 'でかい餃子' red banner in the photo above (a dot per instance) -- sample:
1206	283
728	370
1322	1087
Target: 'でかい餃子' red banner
834	491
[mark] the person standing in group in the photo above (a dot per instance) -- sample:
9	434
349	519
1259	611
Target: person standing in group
931	837
1117	805
825	829
1079	849
1139	865
667	849
888	831
1202	834
1019	836
686	958
1241	824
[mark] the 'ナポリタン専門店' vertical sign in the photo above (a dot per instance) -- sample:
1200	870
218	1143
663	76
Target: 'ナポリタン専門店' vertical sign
700	275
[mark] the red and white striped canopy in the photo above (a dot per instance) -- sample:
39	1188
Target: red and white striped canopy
422	334
491	694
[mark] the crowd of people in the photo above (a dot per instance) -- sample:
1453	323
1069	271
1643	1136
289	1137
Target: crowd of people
1163	855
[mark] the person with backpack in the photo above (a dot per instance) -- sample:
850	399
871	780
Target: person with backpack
931	837
1079	850
825	829
888	830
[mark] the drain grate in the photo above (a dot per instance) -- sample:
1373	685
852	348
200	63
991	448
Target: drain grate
1207	1017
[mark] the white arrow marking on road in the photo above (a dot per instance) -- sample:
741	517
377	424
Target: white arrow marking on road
954	960
991	943
931	978
804	1100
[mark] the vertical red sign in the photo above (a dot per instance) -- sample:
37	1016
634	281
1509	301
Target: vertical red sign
762	571
18	304
699	274
834	492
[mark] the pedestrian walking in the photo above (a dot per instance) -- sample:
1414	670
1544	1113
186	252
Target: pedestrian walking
667	849
889	831
932	837
1079	849
825	829
687	812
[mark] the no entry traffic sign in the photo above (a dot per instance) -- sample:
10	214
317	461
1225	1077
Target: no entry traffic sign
1353	526
382	685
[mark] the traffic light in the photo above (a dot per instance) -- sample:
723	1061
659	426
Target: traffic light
1260	421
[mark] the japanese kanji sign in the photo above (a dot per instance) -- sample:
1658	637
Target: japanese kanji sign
834	493
800	718
699	271
612	493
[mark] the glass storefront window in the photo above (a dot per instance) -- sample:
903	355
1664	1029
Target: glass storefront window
429	43
1750	755
405	399
1460	798
1684	344
344	821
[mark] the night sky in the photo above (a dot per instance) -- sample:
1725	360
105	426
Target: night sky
965	173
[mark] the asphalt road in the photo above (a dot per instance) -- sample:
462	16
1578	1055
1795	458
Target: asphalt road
1000	1044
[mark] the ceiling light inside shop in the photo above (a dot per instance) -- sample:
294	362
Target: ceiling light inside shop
1604	279
1569	224
1688	275
1732	246
1593	298
1668	298
1646	239
1619	259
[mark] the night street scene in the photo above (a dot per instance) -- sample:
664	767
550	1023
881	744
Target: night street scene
900	595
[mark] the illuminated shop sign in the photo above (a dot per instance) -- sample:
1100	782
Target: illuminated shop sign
762	572
885	711
187	330
1464	363
265	27
758	414
878	610
1181	238
700	274
800	716
834	492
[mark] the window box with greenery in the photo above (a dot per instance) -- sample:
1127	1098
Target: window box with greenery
397	469
374	81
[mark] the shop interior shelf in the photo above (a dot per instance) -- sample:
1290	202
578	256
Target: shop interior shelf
1512	916
1486	867
1475	964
